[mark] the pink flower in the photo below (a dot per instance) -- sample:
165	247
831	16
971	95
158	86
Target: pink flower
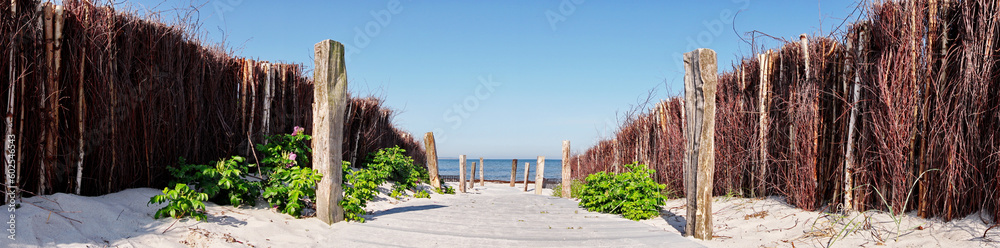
291	156
298	130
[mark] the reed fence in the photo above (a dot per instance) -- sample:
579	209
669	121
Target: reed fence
903	109
100	100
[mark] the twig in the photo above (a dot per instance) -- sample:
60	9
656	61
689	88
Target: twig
171	225
52	212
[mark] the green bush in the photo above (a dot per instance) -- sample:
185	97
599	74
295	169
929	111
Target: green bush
445	189
421	194
361	186
575	188
633	194
288	189
181	202
286	150
223	181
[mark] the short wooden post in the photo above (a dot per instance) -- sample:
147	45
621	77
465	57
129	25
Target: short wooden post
472	179
513	172
461	173
330	99
540	175
700	79
432	160
566	171
526	171
482	176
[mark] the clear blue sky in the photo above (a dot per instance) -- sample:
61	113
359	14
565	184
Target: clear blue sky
555	70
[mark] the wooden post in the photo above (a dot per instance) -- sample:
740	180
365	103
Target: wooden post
527	170
461	173
80	114
540	175
472	180
567	171
700	81
763	94
432	160
482	176
513	172
849	150
329	101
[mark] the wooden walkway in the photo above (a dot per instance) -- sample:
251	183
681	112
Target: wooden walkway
500	216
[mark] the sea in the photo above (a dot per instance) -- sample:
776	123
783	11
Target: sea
499	169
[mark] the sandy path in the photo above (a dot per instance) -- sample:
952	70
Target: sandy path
494	215
498	215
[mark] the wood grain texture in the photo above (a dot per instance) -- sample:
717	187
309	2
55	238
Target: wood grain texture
330	99
700	83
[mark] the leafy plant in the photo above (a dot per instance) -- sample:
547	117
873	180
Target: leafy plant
286	150
359	188
398	193
223	181
421	194
445	190
393	164
181	201
633	193
575	188
289	189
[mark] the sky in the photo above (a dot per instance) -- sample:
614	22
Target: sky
506	79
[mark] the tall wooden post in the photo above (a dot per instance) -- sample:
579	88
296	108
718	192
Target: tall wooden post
461	173
526	171
700	81
432	160
513	172
764	101
472	179
849	149
566	171
540	175
329	101
482	175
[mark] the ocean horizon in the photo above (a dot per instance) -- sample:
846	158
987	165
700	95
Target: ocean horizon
499	169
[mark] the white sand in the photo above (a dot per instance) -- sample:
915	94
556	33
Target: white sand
742	222
124	220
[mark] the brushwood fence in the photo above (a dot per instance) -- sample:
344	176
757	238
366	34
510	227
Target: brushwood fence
122	97
903	107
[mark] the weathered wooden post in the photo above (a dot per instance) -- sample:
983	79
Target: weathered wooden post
432	160
513	172
566	171
700	79
461	173
764	101
540	175
482	175
472	180
526	171
329	101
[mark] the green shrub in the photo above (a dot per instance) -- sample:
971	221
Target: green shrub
393	164
286	150
575	188
633	194
181	201
288	189
223	181
445	189
360	187
421	194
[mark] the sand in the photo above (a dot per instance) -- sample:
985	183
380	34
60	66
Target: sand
494	215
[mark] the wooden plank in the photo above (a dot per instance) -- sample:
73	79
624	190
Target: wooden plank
763	96
700	83
540	175
461	173
482	165
513	172
330	99
432	160
567	174
472	180
527	167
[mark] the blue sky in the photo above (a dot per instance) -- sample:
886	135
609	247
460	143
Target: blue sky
506	79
